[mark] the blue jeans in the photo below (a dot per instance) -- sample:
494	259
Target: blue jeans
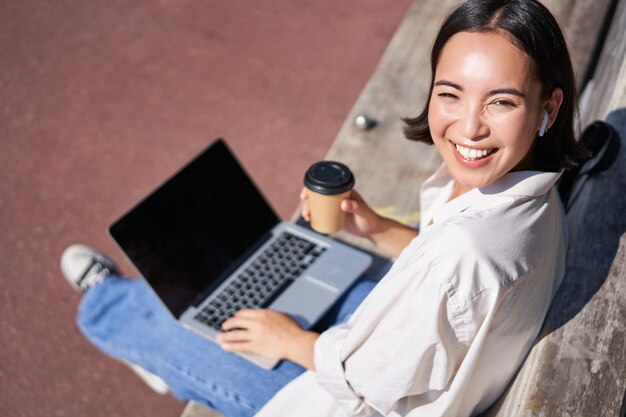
126	320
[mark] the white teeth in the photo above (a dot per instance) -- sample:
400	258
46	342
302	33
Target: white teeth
473	154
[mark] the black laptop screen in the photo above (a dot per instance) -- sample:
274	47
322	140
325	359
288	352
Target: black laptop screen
188	233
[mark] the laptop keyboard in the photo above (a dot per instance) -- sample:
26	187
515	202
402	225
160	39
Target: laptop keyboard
258	285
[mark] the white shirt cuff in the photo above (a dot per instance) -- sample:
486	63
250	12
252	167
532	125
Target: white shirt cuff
330	372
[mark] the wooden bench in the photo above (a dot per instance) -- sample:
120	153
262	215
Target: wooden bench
577	367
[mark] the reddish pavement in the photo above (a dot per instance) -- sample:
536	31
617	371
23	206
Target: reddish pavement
100	101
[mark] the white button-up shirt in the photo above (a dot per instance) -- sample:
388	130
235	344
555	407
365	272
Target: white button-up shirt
447	327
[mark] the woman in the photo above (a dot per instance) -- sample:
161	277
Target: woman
444	331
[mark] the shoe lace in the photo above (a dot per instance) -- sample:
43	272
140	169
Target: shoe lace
93	275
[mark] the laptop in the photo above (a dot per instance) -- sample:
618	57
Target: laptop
208	244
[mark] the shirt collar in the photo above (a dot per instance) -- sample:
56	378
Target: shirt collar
520	184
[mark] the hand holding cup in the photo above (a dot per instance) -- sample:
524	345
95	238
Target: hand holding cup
330	203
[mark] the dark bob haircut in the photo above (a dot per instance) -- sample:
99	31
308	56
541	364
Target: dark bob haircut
531	28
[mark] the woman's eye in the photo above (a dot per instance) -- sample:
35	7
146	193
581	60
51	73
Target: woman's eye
504	103
447	95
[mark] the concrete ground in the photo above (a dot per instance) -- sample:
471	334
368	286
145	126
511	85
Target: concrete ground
101	101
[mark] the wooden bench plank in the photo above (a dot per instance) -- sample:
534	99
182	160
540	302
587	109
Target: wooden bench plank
581	22
193	409
607	90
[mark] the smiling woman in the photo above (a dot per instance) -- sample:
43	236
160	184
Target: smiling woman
446	328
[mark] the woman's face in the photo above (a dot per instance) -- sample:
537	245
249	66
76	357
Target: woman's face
485	109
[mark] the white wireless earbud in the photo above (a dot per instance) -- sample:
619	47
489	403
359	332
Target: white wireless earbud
544	123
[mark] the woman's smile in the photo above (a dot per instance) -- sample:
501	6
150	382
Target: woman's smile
471	156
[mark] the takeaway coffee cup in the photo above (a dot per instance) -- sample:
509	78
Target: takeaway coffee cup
328	183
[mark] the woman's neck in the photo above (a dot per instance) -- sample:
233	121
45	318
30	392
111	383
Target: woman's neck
458	190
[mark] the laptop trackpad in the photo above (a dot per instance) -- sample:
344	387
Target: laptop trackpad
306	300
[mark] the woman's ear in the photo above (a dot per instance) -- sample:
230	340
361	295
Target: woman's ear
552	105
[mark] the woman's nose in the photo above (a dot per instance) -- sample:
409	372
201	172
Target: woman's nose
473	125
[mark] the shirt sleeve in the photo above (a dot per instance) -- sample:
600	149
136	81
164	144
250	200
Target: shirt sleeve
391	349
411	334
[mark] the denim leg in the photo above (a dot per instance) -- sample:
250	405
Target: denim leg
126	320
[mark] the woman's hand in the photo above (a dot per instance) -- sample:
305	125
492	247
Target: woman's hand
361	220
268	333
389	235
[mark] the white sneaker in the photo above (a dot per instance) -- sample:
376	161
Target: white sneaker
84	267
153	381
